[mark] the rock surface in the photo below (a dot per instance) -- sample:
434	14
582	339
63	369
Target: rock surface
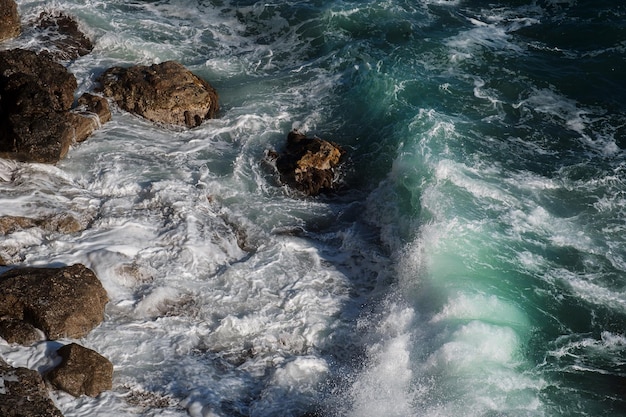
62	223
59	34
62	302
23	393
309	165
82	371
9	20
166	93
18	331
36	95
92	113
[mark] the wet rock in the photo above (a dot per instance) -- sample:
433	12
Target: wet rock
23	393
36	94
310	165
166	93
59	34
9	20
62	223
93	111
62	302
18	331
81	372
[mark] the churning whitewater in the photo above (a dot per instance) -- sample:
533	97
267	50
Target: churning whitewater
474	264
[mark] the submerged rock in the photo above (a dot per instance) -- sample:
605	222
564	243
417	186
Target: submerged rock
62	302
9	20
62	223
166	93
36	94
23	393
309	165
82	371
59	34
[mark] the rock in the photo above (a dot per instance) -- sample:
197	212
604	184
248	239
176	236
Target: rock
96	105
35	96
81	372
309	165
62	302
166	93
61	223
93	111
18	331
9	20
58	33
23	393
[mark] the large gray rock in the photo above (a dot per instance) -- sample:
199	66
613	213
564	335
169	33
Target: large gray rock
166	93
82	371
9	20
23	393
310	165
62	302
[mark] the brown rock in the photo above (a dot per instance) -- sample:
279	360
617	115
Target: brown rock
96	105
309	165
62	302
9	20
165	93
82	371
62	223
18	331
92	112
23	393
59	34
35	96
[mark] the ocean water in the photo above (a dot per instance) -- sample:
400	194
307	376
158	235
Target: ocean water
473	265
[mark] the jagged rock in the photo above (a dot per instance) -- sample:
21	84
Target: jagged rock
62	302
93	111
309	165
62	223
36	94
166	93
9	20
18	331
23	393
82	371
59	34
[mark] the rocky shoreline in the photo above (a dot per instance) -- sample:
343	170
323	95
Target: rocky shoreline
40	120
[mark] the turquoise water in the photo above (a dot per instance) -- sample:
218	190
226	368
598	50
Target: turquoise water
474	264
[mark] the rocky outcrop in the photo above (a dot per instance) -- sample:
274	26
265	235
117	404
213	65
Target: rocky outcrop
9	20
23	393
36	95
165	93
62	302
59	34
310	165
82	371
